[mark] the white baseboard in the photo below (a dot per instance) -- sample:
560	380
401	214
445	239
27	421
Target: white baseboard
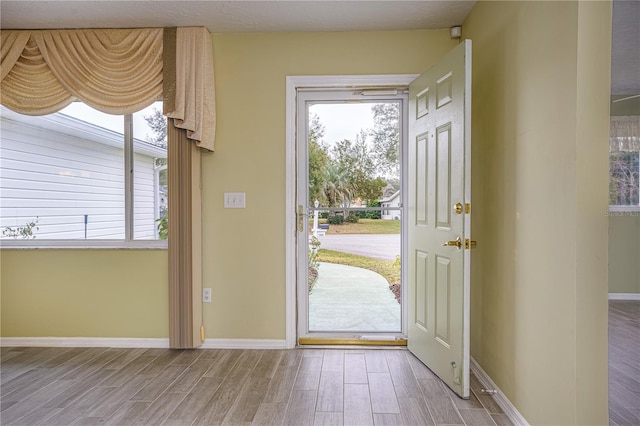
500	398
84	342
108	342
244	344
624	296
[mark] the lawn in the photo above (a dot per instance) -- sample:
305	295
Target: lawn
364	226
387	268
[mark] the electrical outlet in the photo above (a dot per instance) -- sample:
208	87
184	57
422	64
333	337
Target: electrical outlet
206	295
234	200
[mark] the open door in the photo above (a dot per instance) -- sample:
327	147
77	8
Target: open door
439	238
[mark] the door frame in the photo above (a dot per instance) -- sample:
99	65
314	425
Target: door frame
292	84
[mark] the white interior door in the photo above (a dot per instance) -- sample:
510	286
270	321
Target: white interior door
439	217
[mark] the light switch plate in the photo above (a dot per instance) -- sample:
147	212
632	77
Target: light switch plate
234	200
206	295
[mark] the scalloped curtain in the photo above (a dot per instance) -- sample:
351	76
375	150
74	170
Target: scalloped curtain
116	71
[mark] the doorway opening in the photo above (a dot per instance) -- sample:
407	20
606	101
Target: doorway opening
350	208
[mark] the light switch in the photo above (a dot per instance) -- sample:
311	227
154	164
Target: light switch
234	200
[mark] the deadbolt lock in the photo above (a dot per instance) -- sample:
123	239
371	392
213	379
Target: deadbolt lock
459	208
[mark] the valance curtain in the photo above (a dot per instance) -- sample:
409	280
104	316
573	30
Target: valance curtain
117	71
624	133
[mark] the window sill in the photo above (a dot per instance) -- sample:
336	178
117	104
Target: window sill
624	211
83	244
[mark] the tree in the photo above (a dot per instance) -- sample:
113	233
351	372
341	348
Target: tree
336	188
354	159
318	160
386	138
624	181
158	124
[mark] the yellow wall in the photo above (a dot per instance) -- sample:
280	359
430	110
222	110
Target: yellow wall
97	293
244	250
84	293
540	181
624	252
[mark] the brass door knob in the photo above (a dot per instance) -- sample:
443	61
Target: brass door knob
457	243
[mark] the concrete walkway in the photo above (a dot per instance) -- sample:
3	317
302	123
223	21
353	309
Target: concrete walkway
346	298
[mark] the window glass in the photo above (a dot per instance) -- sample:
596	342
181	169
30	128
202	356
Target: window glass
150	173
624	183
62	176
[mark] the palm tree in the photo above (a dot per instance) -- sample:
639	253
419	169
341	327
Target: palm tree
336	186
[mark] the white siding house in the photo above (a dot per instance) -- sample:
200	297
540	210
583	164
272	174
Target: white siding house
392	200
65	172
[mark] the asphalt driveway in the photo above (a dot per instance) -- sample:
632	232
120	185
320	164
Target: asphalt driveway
377	246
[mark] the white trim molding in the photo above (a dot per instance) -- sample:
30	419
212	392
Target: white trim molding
84	342
292	85
624	296
499	397
125	342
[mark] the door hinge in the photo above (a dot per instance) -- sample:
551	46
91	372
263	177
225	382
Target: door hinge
456	375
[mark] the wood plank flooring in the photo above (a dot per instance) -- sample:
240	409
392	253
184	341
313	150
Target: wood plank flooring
624	362
87	386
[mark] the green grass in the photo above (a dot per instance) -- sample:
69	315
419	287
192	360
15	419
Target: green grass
364	226
387	268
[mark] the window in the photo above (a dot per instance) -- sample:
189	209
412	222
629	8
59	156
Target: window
63	176
624	183
624	163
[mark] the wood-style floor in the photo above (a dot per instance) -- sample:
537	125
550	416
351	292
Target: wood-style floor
624	362
81	386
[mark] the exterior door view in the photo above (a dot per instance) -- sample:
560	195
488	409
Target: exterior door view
383	216
350	213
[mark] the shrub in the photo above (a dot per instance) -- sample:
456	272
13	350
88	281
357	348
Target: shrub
163	227
337	219
324	215
25	231
373	214
352	218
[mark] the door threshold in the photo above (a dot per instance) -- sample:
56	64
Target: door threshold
322	341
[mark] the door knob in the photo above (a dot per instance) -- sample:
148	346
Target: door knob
457	243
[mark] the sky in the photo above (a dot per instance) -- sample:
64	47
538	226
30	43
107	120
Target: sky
343	121
113	122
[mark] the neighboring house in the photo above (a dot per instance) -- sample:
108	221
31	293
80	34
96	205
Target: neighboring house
65	172
392	200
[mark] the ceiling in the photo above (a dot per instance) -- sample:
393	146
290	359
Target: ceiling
294	16
237	16
625	48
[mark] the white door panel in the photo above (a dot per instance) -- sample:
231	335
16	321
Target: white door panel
439	178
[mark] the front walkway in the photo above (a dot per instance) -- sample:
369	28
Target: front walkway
346	298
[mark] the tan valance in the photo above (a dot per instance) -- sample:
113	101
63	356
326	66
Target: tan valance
189	96
624	133
116	71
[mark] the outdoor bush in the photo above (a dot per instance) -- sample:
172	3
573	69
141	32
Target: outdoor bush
335	219
25	231
352	218
324	215
314	264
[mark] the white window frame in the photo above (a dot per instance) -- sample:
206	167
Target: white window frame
127	243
